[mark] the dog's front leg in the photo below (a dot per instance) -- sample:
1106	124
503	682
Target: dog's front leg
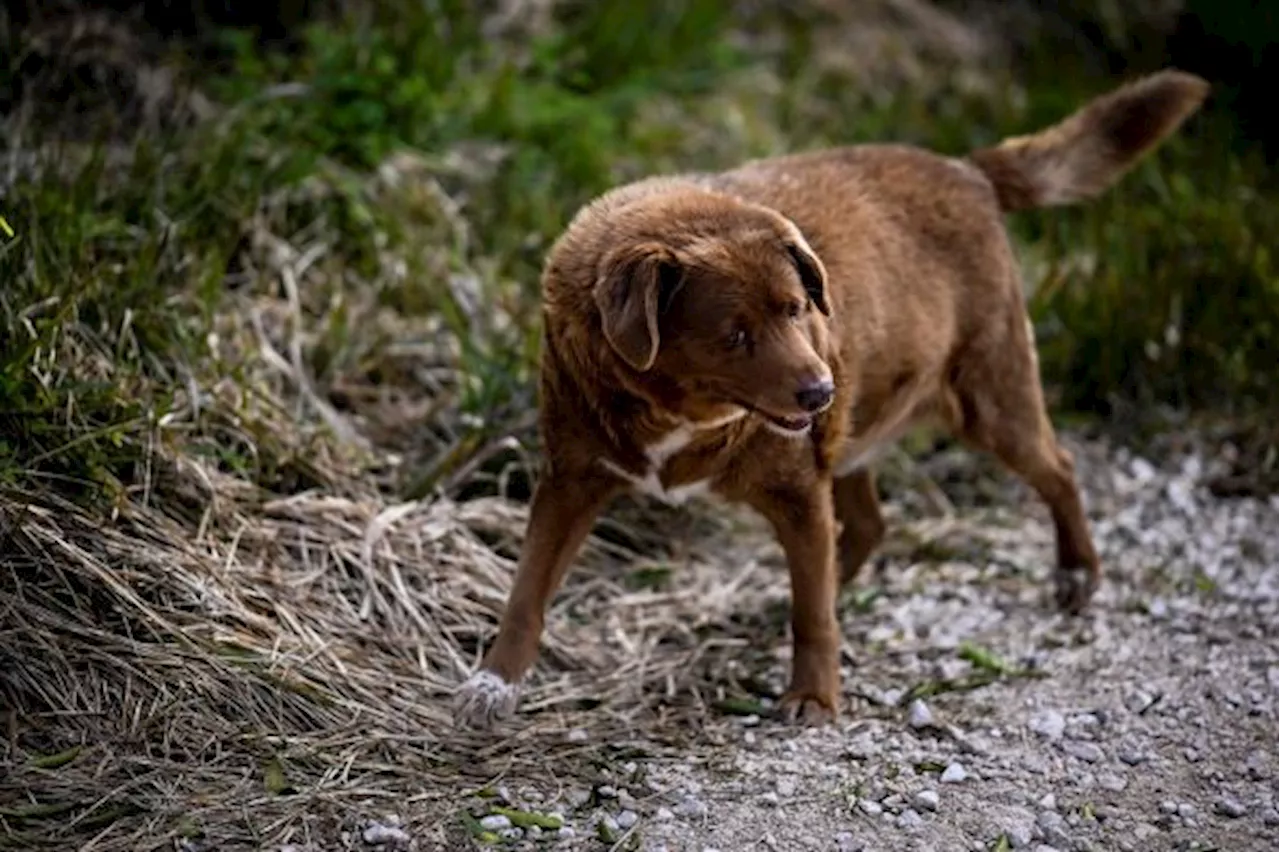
563	510
803	519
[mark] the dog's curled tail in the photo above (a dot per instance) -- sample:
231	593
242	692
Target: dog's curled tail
1089	150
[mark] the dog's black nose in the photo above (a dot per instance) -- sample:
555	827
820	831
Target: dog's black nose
816	396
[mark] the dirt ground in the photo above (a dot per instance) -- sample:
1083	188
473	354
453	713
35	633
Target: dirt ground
1150	724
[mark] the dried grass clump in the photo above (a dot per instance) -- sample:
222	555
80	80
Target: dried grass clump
270	675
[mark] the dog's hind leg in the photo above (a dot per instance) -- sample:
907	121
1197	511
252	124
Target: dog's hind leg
857	508
998	406
562	513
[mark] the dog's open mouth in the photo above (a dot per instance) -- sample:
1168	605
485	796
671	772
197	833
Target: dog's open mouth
790	425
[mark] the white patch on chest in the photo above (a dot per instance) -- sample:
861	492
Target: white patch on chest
662	451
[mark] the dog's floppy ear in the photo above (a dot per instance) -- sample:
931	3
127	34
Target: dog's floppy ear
636	283
813	275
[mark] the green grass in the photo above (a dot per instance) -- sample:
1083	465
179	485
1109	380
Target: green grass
1178	303
115	274
119	269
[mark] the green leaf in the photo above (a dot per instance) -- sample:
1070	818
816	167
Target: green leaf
273	777
54	761
983	659
525	819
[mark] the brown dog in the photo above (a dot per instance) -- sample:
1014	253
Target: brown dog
761	333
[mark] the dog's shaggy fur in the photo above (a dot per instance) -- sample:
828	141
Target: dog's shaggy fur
760	333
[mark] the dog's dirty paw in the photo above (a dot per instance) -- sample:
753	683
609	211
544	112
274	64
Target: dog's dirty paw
1074	589
484	699
807	709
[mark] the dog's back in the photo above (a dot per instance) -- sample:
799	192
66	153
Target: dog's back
915	242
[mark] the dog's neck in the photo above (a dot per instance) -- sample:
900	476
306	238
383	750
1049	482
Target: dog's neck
643	415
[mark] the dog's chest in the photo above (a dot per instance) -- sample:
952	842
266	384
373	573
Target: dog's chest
660	479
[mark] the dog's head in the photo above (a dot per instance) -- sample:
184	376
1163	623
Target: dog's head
726	303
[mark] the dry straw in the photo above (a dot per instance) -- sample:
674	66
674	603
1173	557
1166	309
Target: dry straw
292	670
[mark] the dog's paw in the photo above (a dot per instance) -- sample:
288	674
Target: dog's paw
1074	589
484	699
808	709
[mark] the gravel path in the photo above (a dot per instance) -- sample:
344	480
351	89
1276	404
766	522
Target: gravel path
1148	725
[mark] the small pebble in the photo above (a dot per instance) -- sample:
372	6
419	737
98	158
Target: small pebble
626	819
577	735
1049	724
1141	469
862	748
1103	813
664	815
1168	807
691	808
1132	758
1053	827
1049	802
845	842
909	820
376	834
769	798
919	715
870	807
1112	782
926	800
1145	831
1257	767
953	774
1230	807
494	822
1088	752
1019	836
512	833
606	792
565	832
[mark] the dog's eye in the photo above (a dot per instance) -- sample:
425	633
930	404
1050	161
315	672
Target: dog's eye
737	339
794	310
